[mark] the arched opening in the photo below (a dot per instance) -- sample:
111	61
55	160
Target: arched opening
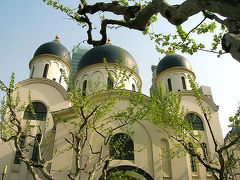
121	147
35	153
205	153
127	172
84	88
133	87
195	121
169	84
45	72
183	83
32	72
193	164
110	83
35	111
60	78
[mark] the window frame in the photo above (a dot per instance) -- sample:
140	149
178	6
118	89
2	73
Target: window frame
195	121
60	78
84	88
133	87
193	164
184	83
35	152
169	82
31	76
45	71
126	150
110	83
38	108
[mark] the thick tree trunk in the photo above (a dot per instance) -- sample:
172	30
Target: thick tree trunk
231	44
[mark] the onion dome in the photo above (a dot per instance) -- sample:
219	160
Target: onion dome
111	53
171	61
54	48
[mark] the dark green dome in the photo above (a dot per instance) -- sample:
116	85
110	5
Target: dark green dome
54	48
171	61
111	53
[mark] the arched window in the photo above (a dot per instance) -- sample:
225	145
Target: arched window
195	121
169	84
110	83
45	72
84	88
126	172
183	83
193	164
60	78
32	72
35	153
121	147
205	153
36	111
133	87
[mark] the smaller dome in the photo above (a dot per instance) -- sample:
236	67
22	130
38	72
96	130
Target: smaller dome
54	48
111	53
171	61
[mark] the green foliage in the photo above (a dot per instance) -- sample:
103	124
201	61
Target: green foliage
123	2
204	28
67	10
120	147
133	2
121	175
170	43
169	116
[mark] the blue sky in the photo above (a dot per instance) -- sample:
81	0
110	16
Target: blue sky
27	24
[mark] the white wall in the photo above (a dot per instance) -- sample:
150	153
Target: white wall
175	74
54	71
97	73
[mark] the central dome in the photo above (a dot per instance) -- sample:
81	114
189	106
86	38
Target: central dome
112	54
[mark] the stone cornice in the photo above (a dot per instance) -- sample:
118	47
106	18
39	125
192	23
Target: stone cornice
49	82
206	99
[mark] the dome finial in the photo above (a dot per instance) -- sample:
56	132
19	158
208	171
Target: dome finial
108	41
57	37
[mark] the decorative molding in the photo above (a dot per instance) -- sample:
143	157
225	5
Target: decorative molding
206	99
46	81
101	65
174	70
36	58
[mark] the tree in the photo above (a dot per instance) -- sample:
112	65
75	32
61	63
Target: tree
186	131
94	111
139	15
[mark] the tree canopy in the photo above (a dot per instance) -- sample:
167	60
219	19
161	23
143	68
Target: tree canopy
139	15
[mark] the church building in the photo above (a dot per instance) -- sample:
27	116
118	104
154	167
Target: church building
144	158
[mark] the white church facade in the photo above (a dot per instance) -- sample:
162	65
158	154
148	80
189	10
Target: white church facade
49	95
